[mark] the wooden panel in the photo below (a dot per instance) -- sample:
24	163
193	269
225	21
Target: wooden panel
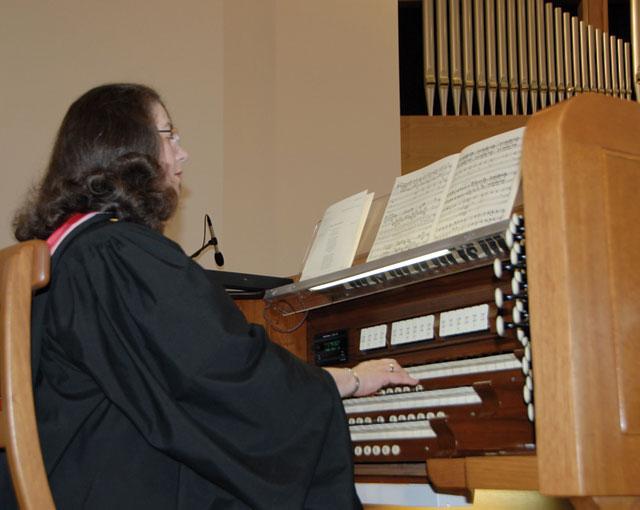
573	288
289	332
405	472
471	473
595	13
503	472
427	139
447	474
622	182
433	296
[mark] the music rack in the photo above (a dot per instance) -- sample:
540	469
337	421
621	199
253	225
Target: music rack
466	251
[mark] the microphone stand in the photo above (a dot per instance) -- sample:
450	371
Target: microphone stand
218	257
210	242
213	241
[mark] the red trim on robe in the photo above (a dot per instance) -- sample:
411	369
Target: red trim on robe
59	234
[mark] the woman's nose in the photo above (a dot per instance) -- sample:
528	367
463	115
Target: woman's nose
181	154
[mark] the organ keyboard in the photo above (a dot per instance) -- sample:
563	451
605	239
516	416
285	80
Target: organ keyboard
524	336
466	366
440	318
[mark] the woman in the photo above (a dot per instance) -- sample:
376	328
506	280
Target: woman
151	389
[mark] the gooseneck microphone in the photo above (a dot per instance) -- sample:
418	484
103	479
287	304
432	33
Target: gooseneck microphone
219	258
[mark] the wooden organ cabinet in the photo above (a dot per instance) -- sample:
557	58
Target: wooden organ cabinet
529	381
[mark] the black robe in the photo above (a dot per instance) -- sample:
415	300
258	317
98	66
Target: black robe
152	391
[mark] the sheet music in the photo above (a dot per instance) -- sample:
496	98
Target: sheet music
412	209
337	237
484	185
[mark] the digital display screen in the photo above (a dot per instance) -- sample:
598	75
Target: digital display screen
330	347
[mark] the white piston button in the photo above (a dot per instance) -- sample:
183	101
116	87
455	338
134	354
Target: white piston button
464	320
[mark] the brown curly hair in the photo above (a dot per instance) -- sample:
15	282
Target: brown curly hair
105	159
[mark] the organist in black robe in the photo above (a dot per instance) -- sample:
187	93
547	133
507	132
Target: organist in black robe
151	389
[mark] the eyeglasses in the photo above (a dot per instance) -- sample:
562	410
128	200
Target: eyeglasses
173	134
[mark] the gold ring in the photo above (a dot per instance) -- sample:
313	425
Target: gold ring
391	367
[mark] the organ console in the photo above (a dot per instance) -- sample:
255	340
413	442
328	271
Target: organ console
525	336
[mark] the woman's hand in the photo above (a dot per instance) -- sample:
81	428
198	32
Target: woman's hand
369	376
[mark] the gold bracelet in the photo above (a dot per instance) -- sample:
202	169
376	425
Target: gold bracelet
357	379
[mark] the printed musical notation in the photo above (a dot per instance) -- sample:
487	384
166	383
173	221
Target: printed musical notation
484	185
413	208
453	195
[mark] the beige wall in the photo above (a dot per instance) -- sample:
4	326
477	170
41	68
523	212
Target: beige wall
313	119
285	106
52	51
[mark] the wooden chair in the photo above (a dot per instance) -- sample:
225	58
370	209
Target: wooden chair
24	267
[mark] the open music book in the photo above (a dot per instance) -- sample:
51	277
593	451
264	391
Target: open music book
336	238
462	192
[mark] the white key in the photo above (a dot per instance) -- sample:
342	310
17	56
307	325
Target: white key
389	431
451	396
507	361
